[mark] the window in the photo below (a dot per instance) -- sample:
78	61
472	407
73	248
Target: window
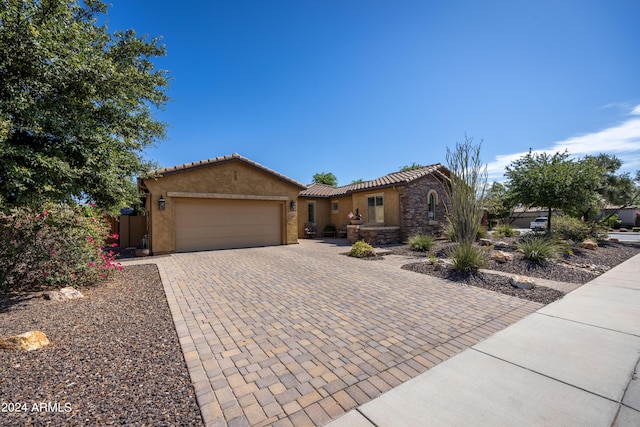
375	209
432	200
334	207
312	212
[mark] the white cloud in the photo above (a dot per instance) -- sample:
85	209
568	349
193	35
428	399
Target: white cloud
623	140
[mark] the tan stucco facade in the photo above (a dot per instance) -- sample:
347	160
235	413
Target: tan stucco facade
348	204
230	180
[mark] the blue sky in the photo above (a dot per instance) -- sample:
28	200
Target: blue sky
361	88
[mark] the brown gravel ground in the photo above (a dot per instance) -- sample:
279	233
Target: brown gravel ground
580	267
114	357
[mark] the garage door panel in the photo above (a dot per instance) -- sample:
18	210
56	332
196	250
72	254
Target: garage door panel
221	224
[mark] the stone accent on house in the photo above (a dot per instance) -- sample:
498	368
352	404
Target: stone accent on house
414	207
373	235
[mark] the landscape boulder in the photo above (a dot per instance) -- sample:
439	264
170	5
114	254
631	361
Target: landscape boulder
501	256
63	294
521	282
32	340
589	244
485	242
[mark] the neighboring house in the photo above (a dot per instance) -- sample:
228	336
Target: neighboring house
394	207
521	217
233	202
220	203
626	214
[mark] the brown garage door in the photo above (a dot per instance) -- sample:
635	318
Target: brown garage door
204	224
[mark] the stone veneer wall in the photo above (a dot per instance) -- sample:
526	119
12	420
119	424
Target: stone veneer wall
414	208
373	235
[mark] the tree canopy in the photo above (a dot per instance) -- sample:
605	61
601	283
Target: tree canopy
76	104
554	182
412	166
499	203
615	189
325	178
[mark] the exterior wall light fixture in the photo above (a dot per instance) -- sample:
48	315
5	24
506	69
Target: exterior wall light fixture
292	206
161	203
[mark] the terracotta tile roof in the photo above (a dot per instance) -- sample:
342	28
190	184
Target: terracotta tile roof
395	178
223	159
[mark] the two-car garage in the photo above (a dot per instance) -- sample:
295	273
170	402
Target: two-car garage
220	203
206	224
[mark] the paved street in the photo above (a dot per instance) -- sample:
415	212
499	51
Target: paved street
301	334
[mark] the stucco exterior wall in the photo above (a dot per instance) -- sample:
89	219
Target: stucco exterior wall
391	204
345	205
233	179
323	214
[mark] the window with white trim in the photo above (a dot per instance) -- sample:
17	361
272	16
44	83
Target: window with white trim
375	209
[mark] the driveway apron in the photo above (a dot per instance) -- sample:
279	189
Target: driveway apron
301	334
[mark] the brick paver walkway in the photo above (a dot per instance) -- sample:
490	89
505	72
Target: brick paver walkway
298	335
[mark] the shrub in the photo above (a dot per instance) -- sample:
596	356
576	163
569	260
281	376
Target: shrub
361	249
538	248
612	221
635	229
467	257
421	242
506	231
60	246
637	222
482	233
568	228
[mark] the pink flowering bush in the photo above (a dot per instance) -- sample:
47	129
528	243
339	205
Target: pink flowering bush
59	246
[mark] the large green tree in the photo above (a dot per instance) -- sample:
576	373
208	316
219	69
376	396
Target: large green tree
554	182
412	166
499	203
325	178
76	104
615	189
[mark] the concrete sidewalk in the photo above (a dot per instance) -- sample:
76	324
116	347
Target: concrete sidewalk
573	362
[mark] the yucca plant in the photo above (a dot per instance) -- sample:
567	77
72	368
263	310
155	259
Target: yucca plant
538	248
467	257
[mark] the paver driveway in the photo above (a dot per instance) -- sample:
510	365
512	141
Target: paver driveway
298	335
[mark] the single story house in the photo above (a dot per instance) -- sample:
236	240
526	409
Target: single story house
234	202
522	217
393	207
626	214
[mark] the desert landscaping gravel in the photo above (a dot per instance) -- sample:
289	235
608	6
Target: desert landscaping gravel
114	358
579	267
